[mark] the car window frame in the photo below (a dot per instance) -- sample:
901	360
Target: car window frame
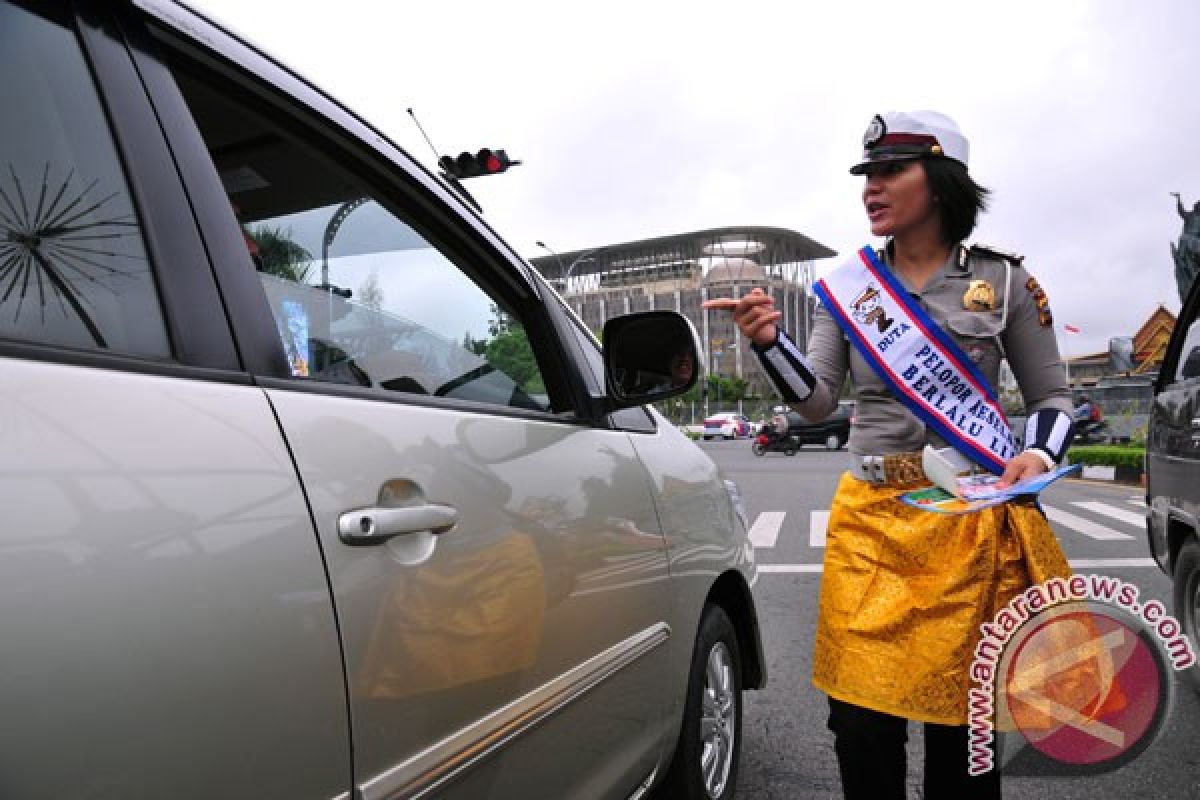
390	175
200	343
1188	315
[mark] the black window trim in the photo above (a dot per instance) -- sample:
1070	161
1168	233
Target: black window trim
1170	366
196	327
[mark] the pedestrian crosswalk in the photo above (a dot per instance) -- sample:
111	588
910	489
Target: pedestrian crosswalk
1113	521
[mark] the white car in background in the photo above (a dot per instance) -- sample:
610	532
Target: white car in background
728	425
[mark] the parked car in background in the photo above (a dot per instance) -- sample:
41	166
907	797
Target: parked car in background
1173	470
313	488
727	426
833	432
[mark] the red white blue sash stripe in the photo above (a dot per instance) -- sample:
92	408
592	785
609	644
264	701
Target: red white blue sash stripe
923	366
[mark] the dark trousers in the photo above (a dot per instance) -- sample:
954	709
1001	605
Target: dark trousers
872	759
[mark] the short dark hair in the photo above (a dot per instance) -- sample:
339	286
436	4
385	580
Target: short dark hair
959	198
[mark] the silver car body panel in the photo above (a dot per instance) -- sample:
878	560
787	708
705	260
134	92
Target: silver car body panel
705	536
167	620
556	557
442	762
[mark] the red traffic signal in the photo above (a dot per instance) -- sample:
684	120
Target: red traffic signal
485	162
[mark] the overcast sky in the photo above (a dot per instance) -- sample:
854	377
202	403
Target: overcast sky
643	119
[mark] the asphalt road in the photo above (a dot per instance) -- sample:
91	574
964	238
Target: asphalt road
787	753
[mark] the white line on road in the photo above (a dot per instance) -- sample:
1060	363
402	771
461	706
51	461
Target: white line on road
1077	563
1085	526
765	530
1101	563
1136	520
818	522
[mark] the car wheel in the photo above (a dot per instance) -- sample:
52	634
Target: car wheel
833	442
707	437
706	758
757	448
790	450
1187	599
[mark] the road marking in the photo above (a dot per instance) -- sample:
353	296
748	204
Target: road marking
1140	502
765	530
818	524
1101	563
1077	563
1136	520
1085	526
789	568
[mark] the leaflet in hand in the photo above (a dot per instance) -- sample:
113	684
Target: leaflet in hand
975	492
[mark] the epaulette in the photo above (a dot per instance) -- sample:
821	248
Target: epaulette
1013	258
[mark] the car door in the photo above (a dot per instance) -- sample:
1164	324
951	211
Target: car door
496	561
1173	449
168	628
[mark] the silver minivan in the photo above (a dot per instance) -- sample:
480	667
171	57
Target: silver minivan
312	487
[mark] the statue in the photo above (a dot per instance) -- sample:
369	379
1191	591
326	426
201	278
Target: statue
1187	253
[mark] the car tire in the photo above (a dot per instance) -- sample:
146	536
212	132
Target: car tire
833	442
757	448
706	438
790	450
705	763
1187	600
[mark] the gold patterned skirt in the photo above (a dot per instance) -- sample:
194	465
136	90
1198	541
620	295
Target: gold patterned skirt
904	592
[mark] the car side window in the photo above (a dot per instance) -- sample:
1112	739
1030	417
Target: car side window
361	291
73	266
1189	355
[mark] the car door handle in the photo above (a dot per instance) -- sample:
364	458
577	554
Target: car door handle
375	525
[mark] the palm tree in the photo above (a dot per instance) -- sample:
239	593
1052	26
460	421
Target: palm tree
281	255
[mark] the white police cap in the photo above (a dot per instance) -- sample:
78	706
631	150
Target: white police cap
904	135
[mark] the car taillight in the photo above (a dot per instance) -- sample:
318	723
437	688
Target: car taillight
763	439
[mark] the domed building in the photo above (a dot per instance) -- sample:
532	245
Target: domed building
680	272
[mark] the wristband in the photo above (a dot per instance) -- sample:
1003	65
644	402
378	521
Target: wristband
787	368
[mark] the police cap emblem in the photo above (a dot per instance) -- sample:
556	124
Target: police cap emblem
875	131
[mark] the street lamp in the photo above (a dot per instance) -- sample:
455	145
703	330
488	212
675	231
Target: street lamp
552	252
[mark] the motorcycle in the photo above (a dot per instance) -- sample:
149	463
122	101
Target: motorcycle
1091	432
768	441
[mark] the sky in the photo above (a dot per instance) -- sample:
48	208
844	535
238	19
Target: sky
644	119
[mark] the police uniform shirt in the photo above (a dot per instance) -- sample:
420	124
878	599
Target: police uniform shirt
985	330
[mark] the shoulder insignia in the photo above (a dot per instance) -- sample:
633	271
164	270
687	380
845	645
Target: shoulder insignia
1014	258
1045	318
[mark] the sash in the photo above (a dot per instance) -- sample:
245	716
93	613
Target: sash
923	366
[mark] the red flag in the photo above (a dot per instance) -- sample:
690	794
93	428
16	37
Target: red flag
1071	329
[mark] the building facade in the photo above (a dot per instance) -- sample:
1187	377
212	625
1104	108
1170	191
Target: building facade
679	272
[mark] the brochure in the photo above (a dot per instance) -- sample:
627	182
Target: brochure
975	492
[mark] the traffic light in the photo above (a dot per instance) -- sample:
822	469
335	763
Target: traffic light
485	162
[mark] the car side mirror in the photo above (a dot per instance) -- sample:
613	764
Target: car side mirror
649	356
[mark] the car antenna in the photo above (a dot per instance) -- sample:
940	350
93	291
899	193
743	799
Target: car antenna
452	181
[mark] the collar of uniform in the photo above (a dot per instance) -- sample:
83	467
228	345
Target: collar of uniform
955	265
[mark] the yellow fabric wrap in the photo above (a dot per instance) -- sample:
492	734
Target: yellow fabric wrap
904	592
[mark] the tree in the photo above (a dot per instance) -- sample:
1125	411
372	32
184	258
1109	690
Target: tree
370	294
281	255
511	353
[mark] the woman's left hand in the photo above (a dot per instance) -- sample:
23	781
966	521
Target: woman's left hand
1022	466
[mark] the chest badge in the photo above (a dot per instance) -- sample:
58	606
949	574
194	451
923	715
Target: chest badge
980	296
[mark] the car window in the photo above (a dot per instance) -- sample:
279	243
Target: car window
361	293
73	267
1189	355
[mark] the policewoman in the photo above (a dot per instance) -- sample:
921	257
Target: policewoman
920	327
